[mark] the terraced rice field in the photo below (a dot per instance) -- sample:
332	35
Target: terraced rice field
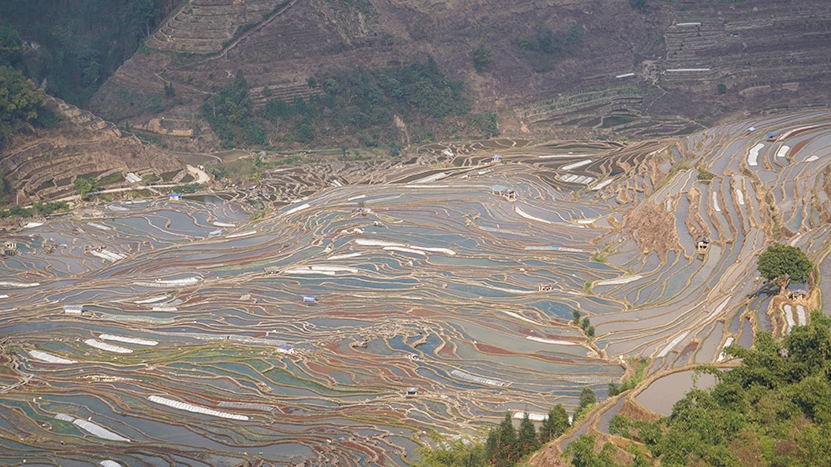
180	332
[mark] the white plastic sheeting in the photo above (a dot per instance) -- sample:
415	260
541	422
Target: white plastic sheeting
49	358
196	408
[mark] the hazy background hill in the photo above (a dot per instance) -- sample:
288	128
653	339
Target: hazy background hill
542	63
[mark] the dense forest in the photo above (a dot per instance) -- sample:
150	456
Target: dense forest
75	45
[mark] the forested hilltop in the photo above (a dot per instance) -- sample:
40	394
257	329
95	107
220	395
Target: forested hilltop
71	47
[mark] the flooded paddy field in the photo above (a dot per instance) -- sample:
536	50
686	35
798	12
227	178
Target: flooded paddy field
181	332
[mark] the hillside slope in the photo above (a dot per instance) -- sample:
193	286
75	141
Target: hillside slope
44	164
634	72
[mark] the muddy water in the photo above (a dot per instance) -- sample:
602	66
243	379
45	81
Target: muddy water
664	392
296	337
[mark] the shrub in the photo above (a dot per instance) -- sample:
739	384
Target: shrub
482	56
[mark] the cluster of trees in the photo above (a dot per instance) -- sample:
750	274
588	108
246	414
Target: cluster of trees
85	186
505	445
20	104
358	102
229	111
78	44
486	123
547	46
42	209
583	323
773	410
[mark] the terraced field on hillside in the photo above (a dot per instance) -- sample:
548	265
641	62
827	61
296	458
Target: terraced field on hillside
666	71
435	293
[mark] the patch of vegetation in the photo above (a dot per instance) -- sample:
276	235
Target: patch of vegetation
601	256
482	56
504	446
703	174
583	323
85	186
588	400
5	189
357	104
640	364
19	102
259	213
80	42
782	264
42	209
485	123
149	138
114	177
237	170
546	47
772	410
169	176
147	179
186	188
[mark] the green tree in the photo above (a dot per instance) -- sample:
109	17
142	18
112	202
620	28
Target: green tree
456	453
587	397
11	47
85	186
395	149
581	452
587	401
169	92
482	56
141	14
783	264
226	110
772	410
809	350
19	102
501	444
5	189
638	4
555	425
527	441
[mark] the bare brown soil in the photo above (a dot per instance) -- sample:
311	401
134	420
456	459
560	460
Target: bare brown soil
653	227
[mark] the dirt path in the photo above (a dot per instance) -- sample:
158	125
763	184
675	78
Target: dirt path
199	175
